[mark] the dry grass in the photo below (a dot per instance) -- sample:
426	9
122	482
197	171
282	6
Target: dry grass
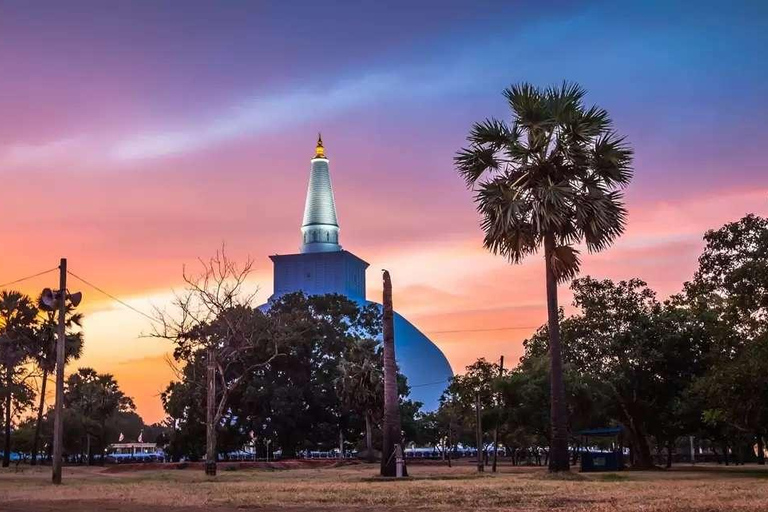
353	488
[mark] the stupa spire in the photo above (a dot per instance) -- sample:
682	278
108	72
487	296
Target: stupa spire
319	149
320	228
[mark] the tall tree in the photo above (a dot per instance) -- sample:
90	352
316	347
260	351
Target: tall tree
640	357
392	427
216	315
551	179
94	398
18	318
474	393
729	293
361	385
45	355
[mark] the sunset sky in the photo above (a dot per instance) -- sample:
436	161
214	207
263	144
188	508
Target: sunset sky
136	137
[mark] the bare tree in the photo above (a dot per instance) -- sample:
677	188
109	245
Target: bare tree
215	313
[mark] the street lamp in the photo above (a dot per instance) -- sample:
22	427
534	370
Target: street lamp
53	300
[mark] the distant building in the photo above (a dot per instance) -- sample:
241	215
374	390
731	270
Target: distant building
134	452
322	267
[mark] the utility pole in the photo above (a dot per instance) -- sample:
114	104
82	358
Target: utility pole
58	422
496	429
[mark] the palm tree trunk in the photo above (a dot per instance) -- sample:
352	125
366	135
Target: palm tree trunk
39	423
392	429
558	461
210	426
7	439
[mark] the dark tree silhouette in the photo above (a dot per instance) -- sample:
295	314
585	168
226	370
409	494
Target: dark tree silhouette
549	180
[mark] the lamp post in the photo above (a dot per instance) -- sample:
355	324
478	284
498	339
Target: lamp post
58	300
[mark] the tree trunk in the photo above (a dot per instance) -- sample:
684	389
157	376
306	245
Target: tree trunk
392	434
87	449
479	434
210	425
450	440
101	441
7	439
496	427
39	423
341	443
725	453
558	460
639	450
368	437
669	453
760	450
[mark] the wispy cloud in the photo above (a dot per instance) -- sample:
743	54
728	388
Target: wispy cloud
261	114
30	155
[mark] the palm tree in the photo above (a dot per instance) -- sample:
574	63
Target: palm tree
551	179
95	398
18	316
392	434
45	355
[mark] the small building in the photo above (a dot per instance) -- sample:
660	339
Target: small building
134	452
605	458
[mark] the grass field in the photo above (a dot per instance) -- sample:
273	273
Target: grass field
352	488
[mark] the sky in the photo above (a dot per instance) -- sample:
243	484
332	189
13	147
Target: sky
137	137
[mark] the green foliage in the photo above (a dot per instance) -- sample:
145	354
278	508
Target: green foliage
556	170
696	363
729	293
552	179
18	318
93	401
326	379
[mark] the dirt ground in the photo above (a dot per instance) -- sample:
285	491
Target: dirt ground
356	488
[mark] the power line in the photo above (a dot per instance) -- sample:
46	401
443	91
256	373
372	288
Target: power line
29	277
429	383
112	296
485	330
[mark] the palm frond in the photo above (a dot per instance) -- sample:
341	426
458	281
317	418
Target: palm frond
565	263
611	159
601	218
528	106
475	161
506	221
491	132
564	102
556	168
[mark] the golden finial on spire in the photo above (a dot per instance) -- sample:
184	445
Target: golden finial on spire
319	150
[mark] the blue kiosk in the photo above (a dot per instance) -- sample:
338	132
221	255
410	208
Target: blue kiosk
602	460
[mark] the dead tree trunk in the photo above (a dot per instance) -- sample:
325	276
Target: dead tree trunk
210	425
392	427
